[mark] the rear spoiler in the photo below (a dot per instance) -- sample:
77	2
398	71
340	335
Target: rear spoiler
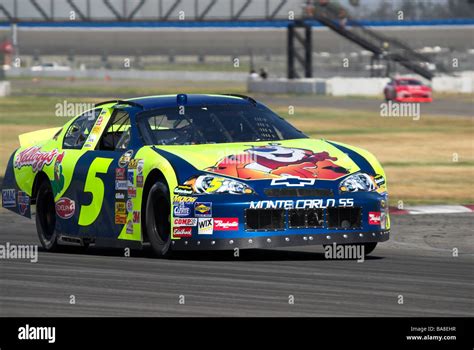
120	102
32	138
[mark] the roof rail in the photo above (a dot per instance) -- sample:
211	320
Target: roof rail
120	102
250	99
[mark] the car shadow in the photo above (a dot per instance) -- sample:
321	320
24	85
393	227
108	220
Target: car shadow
209	255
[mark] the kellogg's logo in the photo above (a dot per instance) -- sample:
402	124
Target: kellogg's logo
34	157
65	208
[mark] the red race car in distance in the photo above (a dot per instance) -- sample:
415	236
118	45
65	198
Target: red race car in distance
408	90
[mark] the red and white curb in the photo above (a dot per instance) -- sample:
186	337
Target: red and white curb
432	209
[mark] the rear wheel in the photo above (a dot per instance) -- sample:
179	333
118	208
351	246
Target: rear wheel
46	217
157	219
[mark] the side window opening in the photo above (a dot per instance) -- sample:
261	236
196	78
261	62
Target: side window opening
79	130
117	134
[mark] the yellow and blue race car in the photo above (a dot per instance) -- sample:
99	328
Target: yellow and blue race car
187	172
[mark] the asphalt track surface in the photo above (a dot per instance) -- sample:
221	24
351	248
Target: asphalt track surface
416	263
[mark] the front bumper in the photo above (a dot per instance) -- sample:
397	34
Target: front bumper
262	242
419	99
238	234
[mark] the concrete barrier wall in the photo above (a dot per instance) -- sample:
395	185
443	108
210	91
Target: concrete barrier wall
356	86
339	86
5	88
285	86
132	74
463	84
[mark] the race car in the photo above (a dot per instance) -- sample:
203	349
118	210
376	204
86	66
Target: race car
194	172
408	90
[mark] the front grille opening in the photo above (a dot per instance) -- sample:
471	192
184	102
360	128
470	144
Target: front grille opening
297	218
303	218
265	219
344	218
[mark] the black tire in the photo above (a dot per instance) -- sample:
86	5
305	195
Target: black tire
157	219
369	248
46	217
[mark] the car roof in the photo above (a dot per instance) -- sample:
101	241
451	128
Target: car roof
163	101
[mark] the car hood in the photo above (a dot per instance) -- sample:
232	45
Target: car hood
302	158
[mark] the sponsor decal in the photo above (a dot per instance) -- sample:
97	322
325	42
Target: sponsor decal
58	182
182	232
374	218
129	229
35	158
272	160
132	192
9	198
182	210
226	224
119	195
203	209
120	219
184	199
95	130
184	222
120	208
129	206
121	185
140	166
130	178
303	203
120	174
379	180
136	217
65	208
183	190
292	181
99	120
133	164
23	203
140	181
383	220
205	226
125	159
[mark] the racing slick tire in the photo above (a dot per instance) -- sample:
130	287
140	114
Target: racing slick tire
46	217
157	219
369	247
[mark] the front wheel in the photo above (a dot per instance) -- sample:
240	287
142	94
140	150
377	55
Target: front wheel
157	219
46	217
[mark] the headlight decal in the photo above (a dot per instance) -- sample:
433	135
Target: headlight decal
359	182
212	184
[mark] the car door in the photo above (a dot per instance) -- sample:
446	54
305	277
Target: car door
99	188
81	176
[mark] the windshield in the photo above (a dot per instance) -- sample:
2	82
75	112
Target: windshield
214	124
409	82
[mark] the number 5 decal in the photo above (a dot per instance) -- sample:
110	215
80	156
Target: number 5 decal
95	186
